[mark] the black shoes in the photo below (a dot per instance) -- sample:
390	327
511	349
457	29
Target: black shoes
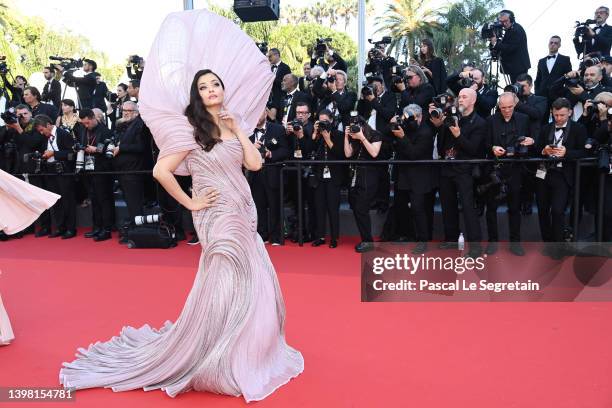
517	249
57	233
69	234
318	242
492	248
194	240
364	247
420	248
42	232
103	236
333	243
92	233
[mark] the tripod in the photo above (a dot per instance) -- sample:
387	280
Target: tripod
494	73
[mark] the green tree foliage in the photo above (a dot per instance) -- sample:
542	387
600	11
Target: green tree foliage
27	42
458	40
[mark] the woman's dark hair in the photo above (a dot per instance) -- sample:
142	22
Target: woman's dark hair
69	102
122	86
205	130
430	51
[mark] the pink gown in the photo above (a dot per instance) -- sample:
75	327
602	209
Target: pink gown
20	205
229	338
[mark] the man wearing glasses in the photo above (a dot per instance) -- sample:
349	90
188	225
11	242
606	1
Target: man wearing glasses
598	38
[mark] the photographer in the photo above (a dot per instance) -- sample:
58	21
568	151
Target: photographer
598	38
271	141
9	160
508	137
561	139
414	140
379	64
304	82
432	66
32	97
100	93
16	89
30	147
579	93
84	85
460	138
52	91
133	90
94	139
280	69
59	155
336	98
605	164
116	101
512	48
474	78
361	142
291	98
131	143
300	143
378	106
551	69
595	112
332	59
136	64
418	91
327	179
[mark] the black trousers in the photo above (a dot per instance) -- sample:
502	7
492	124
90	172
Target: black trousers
361	198
266	199
607	227
308	206
552	195
414	218
383	192
513	177
461	184
64	209
102	200
171	209
327	205
44	220
133	186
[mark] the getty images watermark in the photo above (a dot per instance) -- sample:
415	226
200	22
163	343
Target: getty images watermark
392	273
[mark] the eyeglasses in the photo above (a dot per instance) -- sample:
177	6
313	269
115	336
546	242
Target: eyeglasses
409	77
129	110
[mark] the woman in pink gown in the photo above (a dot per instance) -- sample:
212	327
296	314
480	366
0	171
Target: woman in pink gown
20	205
229	338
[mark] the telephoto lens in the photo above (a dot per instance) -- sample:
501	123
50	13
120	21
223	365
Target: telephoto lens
147	219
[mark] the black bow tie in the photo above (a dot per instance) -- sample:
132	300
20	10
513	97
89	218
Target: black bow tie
274	67
257	130
551	56
560	128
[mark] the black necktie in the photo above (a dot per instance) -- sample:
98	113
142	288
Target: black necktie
551	56
274	67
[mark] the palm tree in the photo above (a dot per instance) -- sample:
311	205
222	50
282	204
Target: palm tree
407	21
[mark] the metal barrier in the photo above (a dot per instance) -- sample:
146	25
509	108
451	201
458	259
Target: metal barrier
297	165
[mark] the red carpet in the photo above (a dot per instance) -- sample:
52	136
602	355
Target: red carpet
63	295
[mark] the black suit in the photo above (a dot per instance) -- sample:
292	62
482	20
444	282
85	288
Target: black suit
438	77
52	92
99	96
265	183
421	95
504	134
277	92
458	178
414	182
513	51
101	185
343	103
339	65
64	210
289	105
545	79
602	43
328	181
85	87
553	193
45	109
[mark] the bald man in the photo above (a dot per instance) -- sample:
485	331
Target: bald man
462	141
508	136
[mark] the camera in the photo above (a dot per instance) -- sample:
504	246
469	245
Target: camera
367	89
9	116
604	158
263	47
571	82
375	53
582	28
451	116
67	63
441	102
589	62
80	157
325	125
495	29
135	60
516	148
495	180
3	67
112	97
296	124
466	82
515	88
148	219
321	46
36	158
354	125
107	147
